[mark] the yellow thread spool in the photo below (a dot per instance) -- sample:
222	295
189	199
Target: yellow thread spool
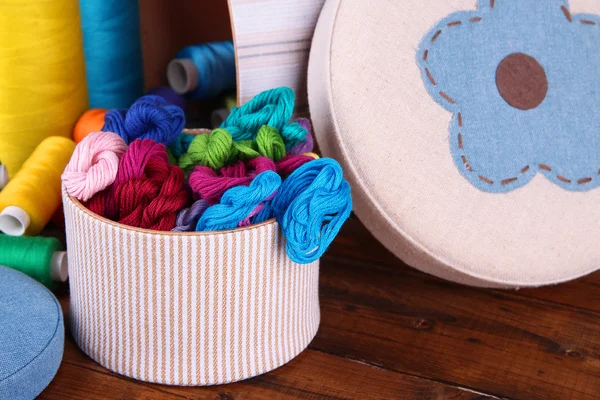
33	194
42	75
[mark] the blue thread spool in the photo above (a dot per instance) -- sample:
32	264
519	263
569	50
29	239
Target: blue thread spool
113	52
203	71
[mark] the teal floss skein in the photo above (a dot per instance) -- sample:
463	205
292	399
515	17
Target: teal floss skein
203	71
113	52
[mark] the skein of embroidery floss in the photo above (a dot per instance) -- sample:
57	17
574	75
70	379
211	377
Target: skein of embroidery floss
33	194
113	52
39	257
42	75
203	71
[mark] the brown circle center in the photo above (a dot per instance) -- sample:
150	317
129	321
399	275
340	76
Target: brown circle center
522	81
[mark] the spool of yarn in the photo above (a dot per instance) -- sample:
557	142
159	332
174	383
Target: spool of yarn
311	206
239	202
3	176
113	52
91	121
42	75
94	165
38	257
33	194
273	108
218	116
203	71
149	117
171	96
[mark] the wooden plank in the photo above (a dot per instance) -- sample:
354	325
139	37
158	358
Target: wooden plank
492	341
583	293
312	375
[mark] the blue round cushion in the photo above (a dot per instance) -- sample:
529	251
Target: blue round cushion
32	336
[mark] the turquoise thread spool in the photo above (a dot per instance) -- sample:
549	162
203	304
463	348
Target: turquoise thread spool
113	52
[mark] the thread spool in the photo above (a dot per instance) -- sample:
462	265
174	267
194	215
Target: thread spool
40	258
3	176
42	75
218	116
91	121
33	194
203	71
113	52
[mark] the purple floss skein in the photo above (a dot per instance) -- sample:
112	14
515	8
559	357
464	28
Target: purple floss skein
307	145
188	218
171	96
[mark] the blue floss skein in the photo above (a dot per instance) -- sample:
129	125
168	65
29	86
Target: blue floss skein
238	202
273	108
150	117
311	206
203	71
113	52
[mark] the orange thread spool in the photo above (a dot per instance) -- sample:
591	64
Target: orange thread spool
91	121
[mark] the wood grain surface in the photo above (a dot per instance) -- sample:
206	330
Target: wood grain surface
390	332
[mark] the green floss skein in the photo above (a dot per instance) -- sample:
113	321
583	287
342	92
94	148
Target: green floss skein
38	257
270	143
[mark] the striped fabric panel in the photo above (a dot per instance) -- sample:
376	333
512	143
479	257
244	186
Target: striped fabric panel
187	309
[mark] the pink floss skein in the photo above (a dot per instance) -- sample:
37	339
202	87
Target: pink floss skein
132	166
94	164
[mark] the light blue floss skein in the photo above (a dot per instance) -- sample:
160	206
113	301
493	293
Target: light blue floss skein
113	52
203	71
311	206
273	108
238	202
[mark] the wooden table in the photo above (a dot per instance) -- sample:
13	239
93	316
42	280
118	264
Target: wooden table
390	332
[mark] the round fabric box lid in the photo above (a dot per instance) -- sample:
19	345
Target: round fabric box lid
470	132
31	336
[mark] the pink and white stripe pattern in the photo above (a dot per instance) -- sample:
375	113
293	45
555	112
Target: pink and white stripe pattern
187	309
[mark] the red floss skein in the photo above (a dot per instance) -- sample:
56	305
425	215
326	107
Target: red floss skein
153	201
210	185
132	166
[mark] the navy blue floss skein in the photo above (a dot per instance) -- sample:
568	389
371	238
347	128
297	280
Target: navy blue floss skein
273	108
311	206
150	117
238	202
203	71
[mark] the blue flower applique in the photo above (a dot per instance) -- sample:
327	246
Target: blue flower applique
522	80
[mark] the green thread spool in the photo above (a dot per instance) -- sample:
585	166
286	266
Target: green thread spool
3	176
39	257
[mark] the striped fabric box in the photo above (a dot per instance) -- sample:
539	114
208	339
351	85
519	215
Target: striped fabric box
187	308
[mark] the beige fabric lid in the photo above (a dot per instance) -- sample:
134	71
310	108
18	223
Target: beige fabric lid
371	110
